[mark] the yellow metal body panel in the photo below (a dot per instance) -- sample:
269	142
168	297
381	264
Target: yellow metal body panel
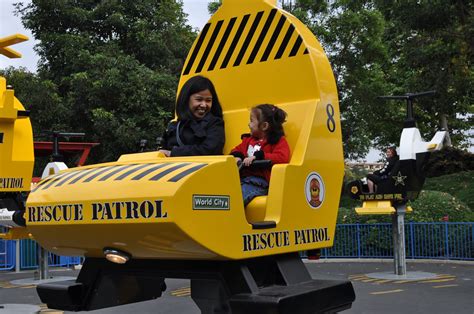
375	208
16	143
191	207
11	40
379	208
16	234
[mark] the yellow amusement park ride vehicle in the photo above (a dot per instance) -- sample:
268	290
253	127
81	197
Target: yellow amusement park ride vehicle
16	150
183	217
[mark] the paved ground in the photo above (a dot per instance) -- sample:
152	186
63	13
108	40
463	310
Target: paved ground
451	291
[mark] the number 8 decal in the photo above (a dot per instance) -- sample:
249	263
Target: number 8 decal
330	123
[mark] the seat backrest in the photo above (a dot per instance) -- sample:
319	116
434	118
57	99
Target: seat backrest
254	53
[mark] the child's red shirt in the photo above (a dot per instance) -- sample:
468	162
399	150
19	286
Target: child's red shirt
278	153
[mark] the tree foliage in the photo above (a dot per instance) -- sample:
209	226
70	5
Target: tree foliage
431	48
39	96
114	66
449	160
213	6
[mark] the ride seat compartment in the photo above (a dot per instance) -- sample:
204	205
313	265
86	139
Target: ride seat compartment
255	214
297	127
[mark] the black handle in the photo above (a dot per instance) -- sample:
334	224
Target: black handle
256	164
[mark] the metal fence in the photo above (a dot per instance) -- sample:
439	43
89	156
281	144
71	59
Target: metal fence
444	240
28	257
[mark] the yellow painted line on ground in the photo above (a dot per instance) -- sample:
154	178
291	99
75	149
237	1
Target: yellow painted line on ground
445	286
384	280
182	294
369	280
181	290
386	292
357	277
438	280
445	276
405	281
26	287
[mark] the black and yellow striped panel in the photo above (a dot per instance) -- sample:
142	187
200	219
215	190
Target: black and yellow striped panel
132	172
281	44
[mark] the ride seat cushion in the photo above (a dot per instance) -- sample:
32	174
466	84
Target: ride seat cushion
255	211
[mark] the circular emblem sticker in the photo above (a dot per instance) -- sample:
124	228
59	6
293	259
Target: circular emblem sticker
314	190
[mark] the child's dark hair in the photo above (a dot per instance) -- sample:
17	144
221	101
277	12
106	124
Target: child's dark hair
275	118
195	85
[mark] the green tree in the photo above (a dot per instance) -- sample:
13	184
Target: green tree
40	97
213	6
115	65
431	47
351	33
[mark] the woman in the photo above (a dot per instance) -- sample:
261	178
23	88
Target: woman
374	178
199	129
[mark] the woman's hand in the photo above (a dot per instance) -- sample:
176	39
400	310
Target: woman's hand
248	160
165	152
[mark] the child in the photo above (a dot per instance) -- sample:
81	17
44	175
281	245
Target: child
265	142
199	129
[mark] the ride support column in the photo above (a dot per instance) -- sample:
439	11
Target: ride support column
398	234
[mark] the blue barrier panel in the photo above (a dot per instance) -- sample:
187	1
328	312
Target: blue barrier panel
28	254
433	240
443	240
7	255
29	257
361	241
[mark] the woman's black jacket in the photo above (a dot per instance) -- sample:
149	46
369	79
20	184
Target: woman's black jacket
387	167
199	137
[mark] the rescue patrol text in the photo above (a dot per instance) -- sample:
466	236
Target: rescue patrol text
97	211
270	240
128	210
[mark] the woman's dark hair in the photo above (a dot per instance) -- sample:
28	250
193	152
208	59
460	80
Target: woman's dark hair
192	86
275	118
393	149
